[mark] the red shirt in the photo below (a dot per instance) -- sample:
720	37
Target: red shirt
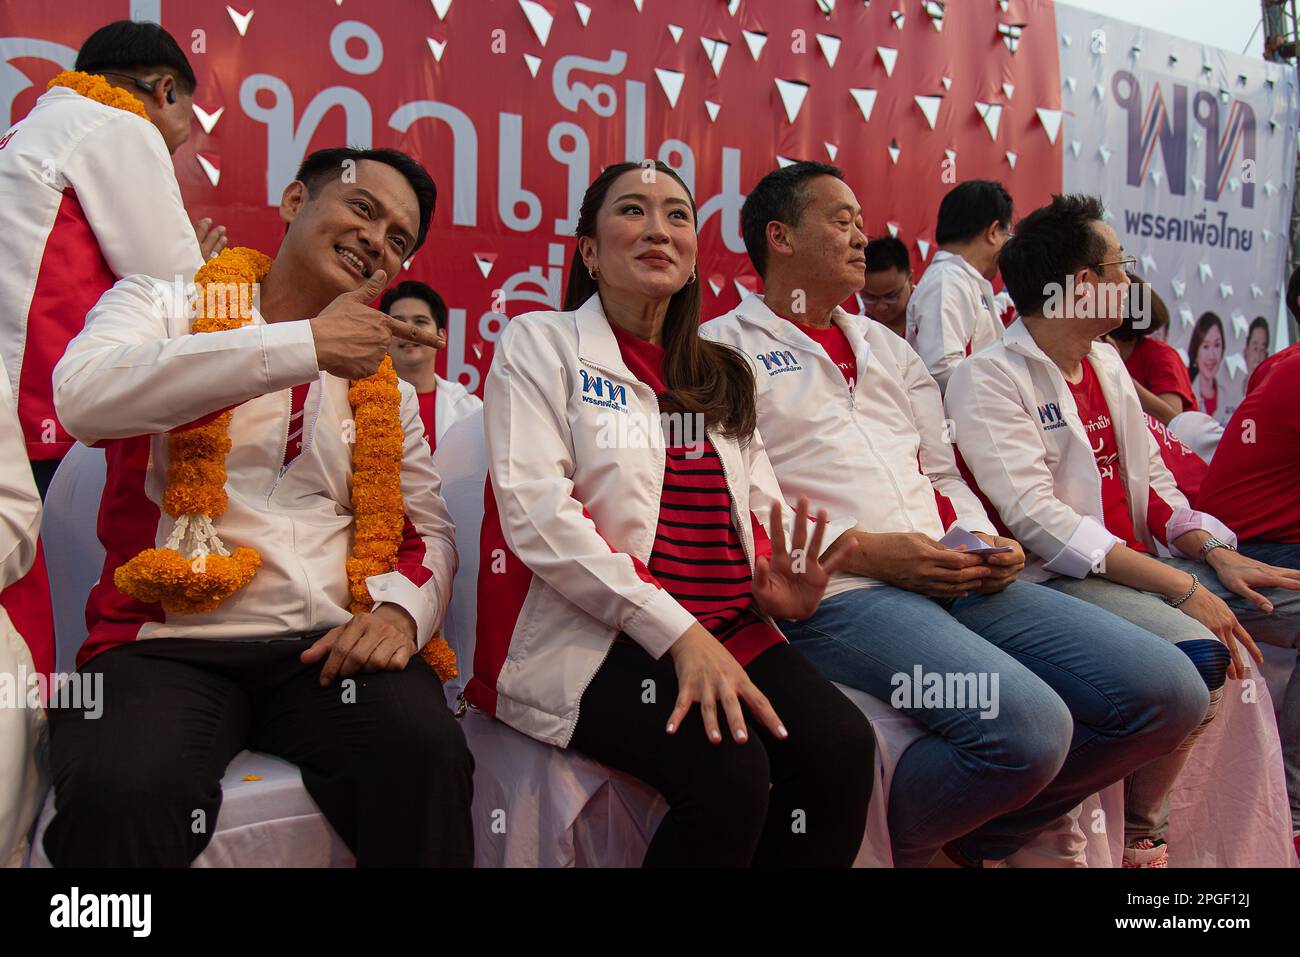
1187	467
428	401
1095	415
1158	366
1253	483
836	345
698	556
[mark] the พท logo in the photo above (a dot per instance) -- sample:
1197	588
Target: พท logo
779	361
1049	416
599	391
1155	122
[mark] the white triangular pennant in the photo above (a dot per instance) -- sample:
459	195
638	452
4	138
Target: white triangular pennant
1186	316
671	81
1178	286
783	161
240	19
534	63
1104	152
713	109
866	100
675	32
754	41
831	150
1011	158
584	12
929	107
894	150
485	262
893	229
991	114
1205	272
437	46
539	18
888	56
899	18
210	169
1235	362
716	51
207	120
1255	291
923	245
1009	89
440	7
1148	263
830	47
792	96
1225	290
1051	120
947	83
1239	325
1075	147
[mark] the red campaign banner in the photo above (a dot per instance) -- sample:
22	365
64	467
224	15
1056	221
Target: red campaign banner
515	105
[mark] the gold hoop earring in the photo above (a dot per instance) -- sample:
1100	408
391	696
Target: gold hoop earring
593	272
692	279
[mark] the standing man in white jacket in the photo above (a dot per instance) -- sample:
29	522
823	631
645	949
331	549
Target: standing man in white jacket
22	725
850	414
282	665
952	312
1051	427
88	195
441	402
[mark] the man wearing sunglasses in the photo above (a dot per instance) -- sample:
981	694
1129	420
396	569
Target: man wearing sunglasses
888	285
1051	427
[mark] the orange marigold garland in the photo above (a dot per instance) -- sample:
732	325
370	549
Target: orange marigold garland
379	513
196	486
96	88
194	572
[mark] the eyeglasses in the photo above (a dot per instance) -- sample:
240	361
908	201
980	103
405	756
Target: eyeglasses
1129	264
888	299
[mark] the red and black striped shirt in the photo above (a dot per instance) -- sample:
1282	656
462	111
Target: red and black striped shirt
698	556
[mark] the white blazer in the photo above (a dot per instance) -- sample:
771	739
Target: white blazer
576	461
873	455
1020	434
451	403
136	371
951	314
20	504
89	196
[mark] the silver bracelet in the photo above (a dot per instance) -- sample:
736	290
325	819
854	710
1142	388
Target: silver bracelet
1175	602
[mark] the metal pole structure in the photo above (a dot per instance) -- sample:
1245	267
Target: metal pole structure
1281	41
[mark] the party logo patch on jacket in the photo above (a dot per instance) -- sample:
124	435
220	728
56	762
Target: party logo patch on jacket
779	361
601	392
1049	417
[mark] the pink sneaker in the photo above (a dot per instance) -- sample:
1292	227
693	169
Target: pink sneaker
1146	853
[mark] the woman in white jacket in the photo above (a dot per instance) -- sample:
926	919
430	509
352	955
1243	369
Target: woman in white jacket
1051	427
627	576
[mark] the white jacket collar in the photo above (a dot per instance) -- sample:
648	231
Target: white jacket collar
754	309
596	342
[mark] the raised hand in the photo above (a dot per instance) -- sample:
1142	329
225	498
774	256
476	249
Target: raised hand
791	583
352	339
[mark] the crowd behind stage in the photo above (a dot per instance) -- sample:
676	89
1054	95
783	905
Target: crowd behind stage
1029	485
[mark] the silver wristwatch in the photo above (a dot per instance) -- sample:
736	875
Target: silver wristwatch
1211	544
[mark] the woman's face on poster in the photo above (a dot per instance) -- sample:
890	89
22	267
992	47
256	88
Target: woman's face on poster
1210	354
1256	348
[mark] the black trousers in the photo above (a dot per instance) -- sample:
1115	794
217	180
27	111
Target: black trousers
140	785
768	802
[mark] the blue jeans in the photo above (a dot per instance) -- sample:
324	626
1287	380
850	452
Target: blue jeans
1284	555
1082	698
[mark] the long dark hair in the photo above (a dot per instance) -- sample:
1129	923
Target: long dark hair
703	377
1203	325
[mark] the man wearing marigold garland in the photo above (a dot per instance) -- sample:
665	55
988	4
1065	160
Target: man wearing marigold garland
90	196
256	507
